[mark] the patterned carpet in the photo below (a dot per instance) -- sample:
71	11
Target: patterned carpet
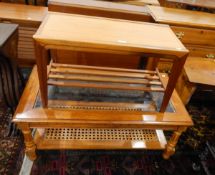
192	156
11	146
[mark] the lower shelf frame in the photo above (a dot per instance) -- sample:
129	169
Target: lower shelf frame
99	138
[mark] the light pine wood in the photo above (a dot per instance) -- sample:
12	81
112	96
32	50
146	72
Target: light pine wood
26	117
181	17
119	35
170	147
22	13
29	18
111	78
103	9
72	6
195	36
185	88
79	31
200	51
200	70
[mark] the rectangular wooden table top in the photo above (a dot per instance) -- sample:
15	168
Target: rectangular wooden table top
198	3
200	70
21	12
78	31
182	17
93	4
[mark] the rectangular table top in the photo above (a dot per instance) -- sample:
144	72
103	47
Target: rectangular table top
198	3
182	17
101	5
6	30
200	70
69	30
21	12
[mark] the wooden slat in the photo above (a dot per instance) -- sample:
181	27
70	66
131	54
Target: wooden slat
103	86
29	32
28	28
104	73
102	68
103	79
25	49
28	39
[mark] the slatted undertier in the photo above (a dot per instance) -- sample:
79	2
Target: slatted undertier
99	138
104	78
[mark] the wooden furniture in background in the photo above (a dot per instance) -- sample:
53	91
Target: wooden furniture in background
11	80
29	18
85	33
198	73
56	128
102	9
10	77
210	4
196	30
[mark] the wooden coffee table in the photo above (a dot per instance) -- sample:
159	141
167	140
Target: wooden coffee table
90	127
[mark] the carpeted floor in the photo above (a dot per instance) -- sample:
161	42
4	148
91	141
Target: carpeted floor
11	146
192	156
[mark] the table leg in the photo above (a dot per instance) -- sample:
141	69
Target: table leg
175	73
171	144
30	147
152	63
42	61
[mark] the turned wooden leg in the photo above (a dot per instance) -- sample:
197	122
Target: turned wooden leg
30	146
171	144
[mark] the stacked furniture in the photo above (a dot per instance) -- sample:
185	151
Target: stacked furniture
104	9
91	107
28	18
196	30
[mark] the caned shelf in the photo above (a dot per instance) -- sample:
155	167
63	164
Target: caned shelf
99	138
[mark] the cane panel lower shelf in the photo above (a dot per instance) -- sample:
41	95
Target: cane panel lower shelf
99	138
